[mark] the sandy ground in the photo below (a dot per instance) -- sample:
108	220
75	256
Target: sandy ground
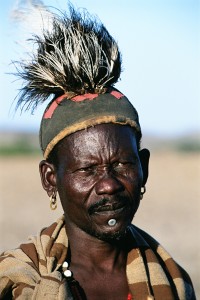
170	209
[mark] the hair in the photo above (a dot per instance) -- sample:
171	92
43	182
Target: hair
77	55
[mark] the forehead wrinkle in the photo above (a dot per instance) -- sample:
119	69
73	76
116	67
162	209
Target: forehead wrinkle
108	145
92	144
95	146
80	146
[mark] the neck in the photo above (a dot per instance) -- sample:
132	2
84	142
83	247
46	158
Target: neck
87	250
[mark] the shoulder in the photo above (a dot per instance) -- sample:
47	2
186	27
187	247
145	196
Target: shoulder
22	268
17	271
154	253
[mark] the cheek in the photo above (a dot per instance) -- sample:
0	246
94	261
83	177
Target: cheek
74	189
80	184
134	178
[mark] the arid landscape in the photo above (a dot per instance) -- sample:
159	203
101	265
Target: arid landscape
170	209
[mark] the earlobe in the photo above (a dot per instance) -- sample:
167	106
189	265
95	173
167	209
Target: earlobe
144	155
48	177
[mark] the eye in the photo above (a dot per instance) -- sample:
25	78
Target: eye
119	165
123	167
87	169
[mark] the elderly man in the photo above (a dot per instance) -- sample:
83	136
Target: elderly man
90	136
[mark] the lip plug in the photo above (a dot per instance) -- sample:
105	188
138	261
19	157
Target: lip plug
112	222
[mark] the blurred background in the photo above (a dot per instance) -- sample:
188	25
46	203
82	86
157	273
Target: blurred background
159	41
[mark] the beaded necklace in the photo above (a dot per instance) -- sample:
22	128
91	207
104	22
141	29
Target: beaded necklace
76	290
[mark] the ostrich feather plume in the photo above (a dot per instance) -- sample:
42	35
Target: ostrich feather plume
77	56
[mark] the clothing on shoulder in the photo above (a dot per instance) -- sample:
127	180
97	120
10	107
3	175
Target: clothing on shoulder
34	270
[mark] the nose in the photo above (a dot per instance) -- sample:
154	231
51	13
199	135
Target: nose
109	185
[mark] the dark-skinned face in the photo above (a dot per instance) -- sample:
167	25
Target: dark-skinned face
98	178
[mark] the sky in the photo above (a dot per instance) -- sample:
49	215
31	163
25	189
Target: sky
159	41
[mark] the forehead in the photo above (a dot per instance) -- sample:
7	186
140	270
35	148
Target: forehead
100	138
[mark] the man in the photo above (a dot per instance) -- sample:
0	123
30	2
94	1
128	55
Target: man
90	136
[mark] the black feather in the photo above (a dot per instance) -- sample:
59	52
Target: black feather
77	55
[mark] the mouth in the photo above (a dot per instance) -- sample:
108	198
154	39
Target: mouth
108	209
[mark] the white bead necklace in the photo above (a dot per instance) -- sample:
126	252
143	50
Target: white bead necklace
67	273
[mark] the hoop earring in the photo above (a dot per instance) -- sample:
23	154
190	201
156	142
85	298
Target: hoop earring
142	192
53	200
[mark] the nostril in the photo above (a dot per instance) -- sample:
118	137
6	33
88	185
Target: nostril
108	185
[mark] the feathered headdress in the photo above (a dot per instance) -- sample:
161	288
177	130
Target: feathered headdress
77	55
76	64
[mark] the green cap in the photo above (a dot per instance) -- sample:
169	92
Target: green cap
66	115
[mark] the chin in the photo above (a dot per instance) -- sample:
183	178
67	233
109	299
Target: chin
110	235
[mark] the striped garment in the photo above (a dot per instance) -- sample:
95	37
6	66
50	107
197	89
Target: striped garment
33	270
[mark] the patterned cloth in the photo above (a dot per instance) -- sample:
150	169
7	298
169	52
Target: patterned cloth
33	270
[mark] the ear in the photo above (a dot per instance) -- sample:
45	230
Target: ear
144	155
48	177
